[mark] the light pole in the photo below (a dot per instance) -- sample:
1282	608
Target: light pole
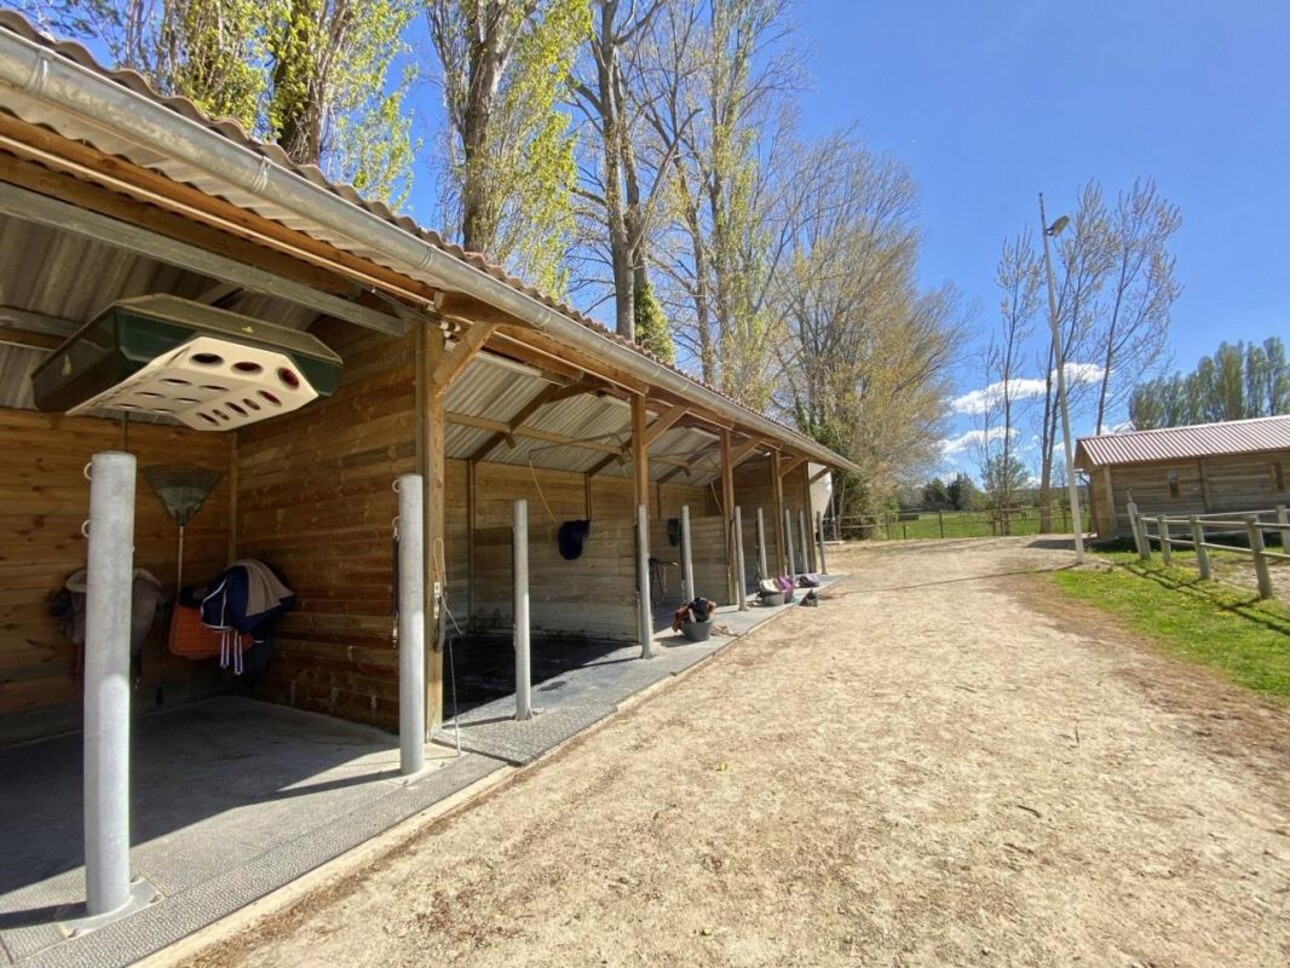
1060	361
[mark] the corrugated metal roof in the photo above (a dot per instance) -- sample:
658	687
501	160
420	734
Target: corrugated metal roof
29	106
1180	443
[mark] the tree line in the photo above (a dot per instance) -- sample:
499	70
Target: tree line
1238	381
640	157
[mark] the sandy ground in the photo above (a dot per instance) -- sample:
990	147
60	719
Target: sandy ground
945	764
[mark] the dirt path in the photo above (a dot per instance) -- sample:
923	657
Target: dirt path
927	770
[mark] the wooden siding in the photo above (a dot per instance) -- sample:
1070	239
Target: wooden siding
752	491
1244	482
45	499
315	499
593	595
707	533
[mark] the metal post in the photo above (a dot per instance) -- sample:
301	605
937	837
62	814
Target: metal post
819	526
788	540
1166	551
762	572
520	608
687	556
1198	542
1059	360
645	612
110	577
412	625
740	583
1256	548
802	536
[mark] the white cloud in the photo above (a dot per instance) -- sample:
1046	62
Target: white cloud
972	438
1022	388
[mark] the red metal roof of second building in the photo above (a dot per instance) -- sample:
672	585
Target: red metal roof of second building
1255	435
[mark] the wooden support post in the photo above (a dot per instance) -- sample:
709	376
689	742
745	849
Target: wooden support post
640	454
586	496
777	495
232	499
1283	521
1260	561
1166	550
734	577
472	519
1139	529
805	518
1202	553
431	458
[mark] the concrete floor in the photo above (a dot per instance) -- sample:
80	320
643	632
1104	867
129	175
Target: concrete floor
232	798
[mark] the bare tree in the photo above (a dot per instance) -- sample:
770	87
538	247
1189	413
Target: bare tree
1143	290
867	364
1085	257
609	94
1018	278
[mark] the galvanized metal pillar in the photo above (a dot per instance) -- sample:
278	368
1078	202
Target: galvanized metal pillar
412	625
687	555
109	581
740	583
802	536
645	613
763	572
819	527
523	676
788	543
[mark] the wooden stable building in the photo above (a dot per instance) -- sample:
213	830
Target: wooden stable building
1233	466
110	195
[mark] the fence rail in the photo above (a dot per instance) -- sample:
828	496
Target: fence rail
1195	530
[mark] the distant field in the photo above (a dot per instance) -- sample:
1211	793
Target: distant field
959	524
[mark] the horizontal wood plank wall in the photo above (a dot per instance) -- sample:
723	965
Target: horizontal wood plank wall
316	500
592	595
1241	482
709	556
45	498
753	491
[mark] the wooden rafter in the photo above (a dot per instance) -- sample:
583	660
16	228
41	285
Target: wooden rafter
663	422
821	473
545	397
451	365
793	463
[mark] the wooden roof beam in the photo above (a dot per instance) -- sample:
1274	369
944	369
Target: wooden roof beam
544	397
793	463
547	436
454	362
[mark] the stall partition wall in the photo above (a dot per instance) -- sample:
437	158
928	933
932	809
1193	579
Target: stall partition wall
753	489
45	500
708	536
316	500
593	595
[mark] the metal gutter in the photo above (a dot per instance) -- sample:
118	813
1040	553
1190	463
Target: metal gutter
38	73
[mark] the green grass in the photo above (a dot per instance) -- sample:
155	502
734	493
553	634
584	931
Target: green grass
1247	640
959	524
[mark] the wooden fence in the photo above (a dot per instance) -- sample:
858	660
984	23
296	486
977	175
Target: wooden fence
1196	530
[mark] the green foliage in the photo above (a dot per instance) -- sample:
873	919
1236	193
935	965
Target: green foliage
1005	477
936	497
962	493
1243	638
312	75
1240	380
505	75
652	329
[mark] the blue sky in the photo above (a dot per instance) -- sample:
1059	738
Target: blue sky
991	102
